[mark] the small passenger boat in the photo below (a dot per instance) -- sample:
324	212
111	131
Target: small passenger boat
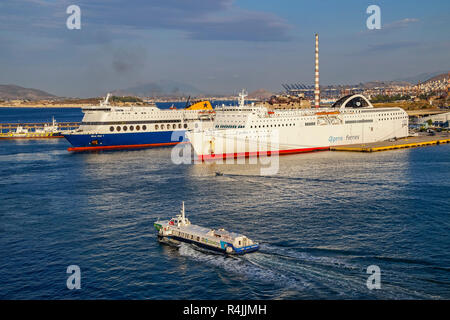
179	229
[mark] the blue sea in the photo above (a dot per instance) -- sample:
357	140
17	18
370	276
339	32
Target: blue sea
322	220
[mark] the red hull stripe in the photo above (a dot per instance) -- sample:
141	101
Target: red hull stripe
257	153
130	146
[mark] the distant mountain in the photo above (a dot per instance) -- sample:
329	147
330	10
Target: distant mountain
441	76
159	89
374	84
422	77
260	94
12	92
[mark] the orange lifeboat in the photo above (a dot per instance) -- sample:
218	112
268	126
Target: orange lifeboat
327	113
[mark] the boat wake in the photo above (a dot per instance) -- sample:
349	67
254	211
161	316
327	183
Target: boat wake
241	266
308	275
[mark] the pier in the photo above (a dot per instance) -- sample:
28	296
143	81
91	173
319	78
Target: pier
410	142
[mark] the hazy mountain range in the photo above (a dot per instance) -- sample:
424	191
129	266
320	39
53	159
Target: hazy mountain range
423	77
11	92
169	88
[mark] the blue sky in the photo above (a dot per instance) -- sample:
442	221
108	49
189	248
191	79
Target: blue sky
218	46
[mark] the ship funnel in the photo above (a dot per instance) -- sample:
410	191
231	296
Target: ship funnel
317	87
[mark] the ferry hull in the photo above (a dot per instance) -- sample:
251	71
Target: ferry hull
207	157
91	142
236	251
224	144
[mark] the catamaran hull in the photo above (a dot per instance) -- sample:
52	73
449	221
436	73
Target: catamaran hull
237	251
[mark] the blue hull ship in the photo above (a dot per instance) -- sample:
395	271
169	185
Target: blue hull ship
85	142
107	127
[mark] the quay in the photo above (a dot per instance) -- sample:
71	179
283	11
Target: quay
409	142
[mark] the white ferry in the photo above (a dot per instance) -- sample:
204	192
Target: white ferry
250	130
106	127
180	229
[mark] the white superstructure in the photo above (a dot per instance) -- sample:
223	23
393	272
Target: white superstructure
105	119
247	130
106	127
53	128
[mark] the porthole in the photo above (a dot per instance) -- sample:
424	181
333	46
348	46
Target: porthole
185	125
125	128
138	128
174	126
111	129
144	127
156	127
162	127
118	128
131	128
179	126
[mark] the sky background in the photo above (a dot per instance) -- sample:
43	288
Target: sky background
217	46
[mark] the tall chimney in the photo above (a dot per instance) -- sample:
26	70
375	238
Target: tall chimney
317	87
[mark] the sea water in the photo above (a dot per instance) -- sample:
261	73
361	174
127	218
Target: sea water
322	220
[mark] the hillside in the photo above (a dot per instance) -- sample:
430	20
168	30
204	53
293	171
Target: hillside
260	94
13	92
421	77
441	76
374	84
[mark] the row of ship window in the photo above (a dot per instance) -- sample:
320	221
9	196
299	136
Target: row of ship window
229	126
186	235
144	127
394	118
263	126
274	125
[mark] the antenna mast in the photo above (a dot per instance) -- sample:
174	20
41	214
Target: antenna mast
182	213
242	96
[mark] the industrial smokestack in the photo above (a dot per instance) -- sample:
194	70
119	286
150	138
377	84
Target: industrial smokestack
317	87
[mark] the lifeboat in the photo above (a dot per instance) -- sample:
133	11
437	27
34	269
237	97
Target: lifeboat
326	113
